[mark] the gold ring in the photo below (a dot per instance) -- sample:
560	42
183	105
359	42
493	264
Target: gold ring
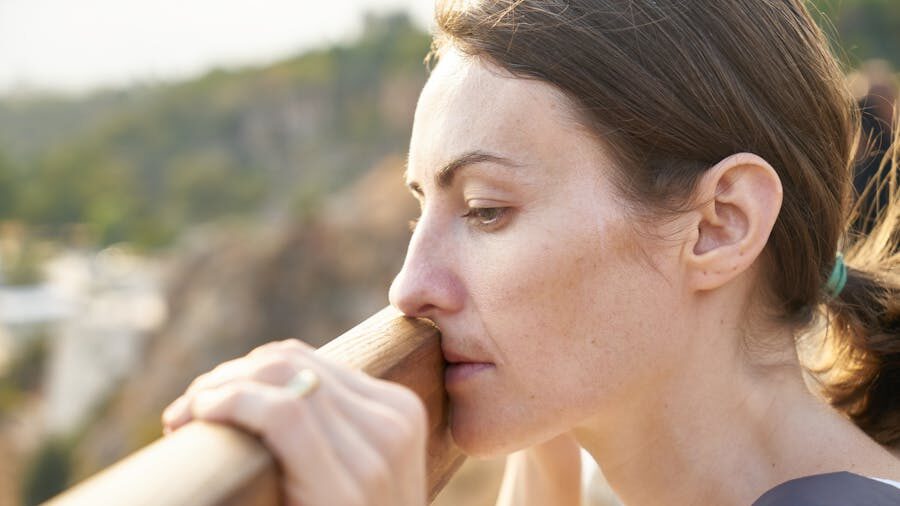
303	383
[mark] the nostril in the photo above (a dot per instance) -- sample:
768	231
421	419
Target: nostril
408	299
423	311
409	306
425	288
400	296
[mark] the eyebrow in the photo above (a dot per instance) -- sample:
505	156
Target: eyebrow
443	178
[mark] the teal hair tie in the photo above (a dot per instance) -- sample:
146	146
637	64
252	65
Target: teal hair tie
838	278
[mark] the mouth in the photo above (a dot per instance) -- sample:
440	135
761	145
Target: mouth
462	368
458	373
454	357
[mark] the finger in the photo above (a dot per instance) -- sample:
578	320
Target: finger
306	355
268	369
370	402
397	442
354	450
375	439
280	347
276	363
252	405
176	414
394	403
367	448
364	385
299	433
355	429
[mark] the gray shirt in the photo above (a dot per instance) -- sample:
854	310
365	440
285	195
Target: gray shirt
832	489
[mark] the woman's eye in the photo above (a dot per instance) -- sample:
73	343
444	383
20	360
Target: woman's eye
486	217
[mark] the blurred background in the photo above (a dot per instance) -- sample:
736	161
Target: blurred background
183	181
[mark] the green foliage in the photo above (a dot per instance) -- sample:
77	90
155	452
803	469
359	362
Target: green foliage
26	370
25	269
143	164
24	373
8	184
232	143
29	125
48	473
863	29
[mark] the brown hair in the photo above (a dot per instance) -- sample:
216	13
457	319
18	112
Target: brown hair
674	87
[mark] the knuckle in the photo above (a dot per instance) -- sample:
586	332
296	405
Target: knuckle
272	367
210	378
198	382
374	469
353	495
292	344
411	406
397	439
263	349
375	475
280	413
218	402
230	394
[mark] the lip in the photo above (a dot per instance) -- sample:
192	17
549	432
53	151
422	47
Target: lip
460	372
462	366
455	356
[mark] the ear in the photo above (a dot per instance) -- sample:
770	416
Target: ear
740	200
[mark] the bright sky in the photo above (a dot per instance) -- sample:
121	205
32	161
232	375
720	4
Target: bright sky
78	45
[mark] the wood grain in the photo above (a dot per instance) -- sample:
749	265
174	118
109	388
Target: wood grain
213	465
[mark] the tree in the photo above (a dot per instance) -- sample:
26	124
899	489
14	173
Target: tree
865	29
8	189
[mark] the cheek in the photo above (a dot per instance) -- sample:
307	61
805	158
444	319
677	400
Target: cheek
575	318
553	286
568	316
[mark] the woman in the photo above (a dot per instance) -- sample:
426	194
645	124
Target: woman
631	211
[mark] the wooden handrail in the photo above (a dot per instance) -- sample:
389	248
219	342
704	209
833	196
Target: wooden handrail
205	464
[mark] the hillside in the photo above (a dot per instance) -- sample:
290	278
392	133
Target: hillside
143	165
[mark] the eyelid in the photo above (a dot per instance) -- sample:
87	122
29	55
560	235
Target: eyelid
500	220
471	214
415	189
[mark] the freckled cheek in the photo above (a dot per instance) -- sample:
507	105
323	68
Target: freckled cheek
540	291
517	282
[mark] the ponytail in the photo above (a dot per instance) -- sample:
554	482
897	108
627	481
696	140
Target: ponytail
863	332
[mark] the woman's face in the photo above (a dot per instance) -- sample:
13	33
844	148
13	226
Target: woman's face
527	262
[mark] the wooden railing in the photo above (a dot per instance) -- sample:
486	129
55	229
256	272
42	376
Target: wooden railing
205	464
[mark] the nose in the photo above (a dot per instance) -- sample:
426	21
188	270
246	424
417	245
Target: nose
427	285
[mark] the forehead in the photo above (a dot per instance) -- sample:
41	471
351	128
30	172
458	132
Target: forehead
468	105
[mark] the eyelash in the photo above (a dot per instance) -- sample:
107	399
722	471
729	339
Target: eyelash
475	214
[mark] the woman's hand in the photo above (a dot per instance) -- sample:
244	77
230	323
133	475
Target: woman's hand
353	440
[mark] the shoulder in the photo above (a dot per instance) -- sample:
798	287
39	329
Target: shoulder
832	489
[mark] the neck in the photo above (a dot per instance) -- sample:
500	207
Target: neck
723	433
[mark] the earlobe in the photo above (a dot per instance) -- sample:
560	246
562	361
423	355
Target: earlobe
740	198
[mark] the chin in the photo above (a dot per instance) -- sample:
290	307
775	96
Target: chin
472	445
483	435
